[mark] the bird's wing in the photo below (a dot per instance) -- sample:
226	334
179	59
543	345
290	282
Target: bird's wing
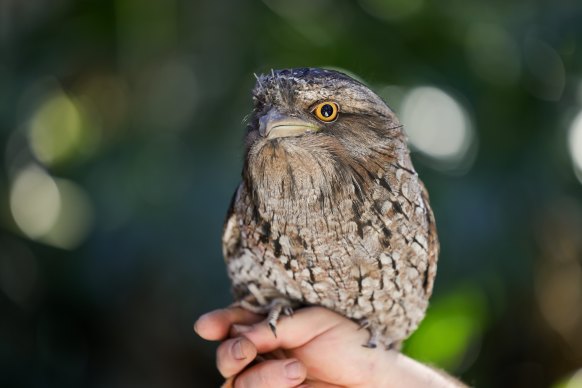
231	237
433	245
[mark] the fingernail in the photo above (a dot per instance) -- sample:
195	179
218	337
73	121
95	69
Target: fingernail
293	370
196	327
240	329
237	350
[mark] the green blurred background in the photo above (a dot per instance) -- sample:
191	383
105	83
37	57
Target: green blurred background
121	143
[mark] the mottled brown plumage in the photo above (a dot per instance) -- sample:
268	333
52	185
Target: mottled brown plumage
330	213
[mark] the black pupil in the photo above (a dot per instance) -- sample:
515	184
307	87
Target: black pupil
326	110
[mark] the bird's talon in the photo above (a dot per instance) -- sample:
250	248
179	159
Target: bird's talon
364	324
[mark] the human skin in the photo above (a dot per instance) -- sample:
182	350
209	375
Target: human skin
315	347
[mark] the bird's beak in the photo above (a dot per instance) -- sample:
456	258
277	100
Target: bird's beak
275	124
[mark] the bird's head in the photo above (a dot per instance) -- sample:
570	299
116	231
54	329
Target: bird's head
317	125
314	103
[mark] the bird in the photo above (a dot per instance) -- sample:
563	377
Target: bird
330	210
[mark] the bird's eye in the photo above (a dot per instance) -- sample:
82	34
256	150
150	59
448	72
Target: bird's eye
326	111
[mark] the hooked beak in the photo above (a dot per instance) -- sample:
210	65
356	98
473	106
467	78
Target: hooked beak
275	124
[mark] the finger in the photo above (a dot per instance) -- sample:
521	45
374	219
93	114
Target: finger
292	332
272	373
233	355
215	325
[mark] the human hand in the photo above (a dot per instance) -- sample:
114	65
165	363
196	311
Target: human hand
316	347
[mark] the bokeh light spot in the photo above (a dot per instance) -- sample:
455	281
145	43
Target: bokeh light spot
54	211
35	201
437	126
55	130
575	145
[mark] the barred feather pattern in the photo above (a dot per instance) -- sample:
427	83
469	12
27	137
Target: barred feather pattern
337	218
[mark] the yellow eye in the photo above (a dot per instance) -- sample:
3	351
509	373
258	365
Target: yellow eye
326	111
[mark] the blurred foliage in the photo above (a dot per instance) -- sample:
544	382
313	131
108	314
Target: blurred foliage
451	330
121	144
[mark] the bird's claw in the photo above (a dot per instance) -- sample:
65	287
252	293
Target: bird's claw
278	306
288	311
364	323
373	340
